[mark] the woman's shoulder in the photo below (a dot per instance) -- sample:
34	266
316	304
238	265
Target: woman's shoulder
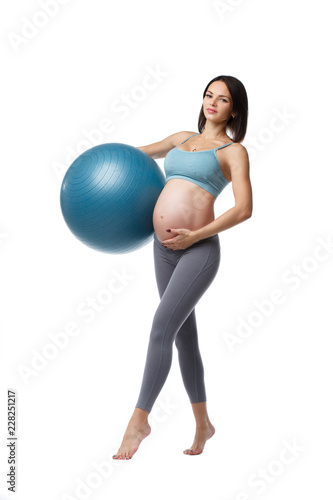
234	154
182	136
236	148
173	140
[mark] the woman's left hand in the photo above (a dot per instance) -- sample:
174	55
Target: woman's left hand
183	238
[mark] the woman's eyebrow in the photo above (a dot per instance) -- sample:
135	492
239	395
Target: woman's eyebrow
221	95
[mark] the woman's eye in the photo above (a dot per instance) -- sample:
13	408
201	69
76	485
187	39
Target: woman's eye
208	95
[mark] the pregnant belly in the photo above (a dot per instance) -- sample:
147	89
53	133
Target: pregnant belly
182	204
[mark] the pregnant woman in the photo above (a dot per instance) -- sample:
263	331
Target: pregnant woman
187	249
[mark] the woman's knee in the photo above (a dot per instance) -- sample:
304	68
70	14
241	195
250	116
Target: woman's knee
184	337
159	328
181	342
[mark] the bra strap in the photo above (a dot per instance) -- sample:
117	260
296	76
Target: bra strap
188	138
225	145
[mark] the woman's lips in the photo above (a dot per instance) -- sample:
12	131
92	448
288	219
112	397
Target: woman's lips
211	110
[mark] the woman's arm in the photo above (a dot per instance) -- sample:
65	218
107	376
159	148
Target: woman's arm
238	162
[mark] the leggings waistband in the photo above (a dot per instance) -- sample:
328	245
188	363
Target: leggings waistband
209	238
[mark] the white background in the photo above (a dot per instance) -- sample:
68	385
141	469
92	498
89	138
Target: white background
60	80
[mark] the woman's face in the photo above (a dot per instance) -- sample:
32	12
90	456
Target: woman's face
217	98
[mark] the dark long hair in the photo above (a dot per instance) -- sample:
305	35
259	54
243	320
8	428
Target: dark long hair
236	126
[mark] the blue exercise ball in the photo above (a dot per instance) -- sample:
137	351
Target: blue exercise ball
108	196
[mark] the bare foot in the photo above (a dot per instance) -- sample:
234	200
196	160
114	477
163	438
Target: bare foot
203	433
135	433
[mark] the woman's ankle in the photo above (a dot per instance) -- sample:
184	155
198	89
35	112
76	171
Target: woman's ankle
139	417
203	423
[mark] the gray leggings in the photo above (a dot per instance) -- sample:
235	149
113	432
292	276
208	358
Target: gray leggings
182	278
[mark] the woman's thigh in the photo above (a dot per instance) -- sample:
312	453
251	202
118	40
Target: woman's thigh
193	271
165	265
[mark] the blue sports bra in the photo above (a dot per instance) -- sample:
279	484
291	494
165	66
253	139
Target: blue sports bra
201	168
